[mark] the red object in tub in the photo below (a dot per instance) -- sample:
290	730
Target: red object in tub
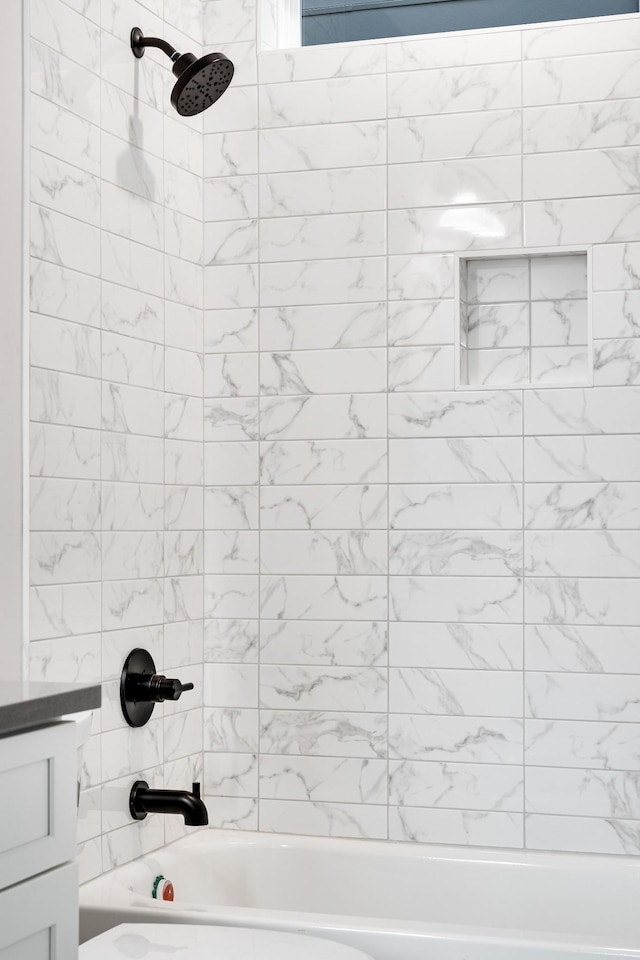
168	892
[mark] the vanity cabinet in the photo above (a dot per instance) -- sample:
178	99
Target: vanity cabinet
38	880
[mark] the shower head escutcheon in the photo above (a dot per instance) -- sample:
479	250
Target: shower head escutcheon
200	81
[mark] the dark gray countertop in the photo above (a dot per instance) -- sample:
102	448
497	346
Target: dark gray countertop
29	704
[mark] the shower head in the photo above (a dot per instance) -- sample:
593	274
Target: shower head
200	81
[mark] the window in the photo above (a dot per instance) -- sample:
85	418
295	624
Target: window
337	21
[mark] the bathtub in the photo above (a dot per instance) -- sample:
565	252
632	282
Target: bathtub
394	901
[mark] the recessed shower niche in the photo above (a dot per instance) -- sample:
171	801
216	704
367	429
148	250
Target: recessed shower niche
523	319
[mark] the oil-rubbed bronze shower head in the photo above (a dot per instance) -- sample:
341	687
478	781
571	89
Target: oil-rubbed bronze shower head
201	81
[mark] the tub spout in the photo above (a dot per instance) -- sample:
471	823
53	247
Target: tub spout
144	800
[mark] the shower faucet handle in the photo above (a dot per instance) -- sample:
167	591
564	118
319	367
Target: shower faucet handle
141	687
161	688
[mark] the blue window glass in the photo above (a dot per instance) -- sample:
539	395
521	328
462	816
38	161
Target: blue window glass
339	21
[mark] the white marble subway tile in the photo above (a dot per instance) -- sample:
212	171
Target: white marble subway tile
182	735
230	775
499	325
63	82
132	458
127	750
229	21
285	66
472	693
230	685
420	277
231	375
184	462
421	322
323	688
560	277
64	241
456	460
64	399
183	598
132	313
65	294
231	154
575	696
228	287
237	111
456	646
323	733
322	237
330	371
616	266
447	182
183	282
229	596
334	462
231	551
132	265
336	597
465	227
183	644
231	508
342	416
183	372
184	326
575	506
183	191
581	126
347	190
231	331
63	558
322	327
447	137
445	414
131	603
231	641
137	363
596	76
182	147
421	368
183	417
616	361
455	90
231	419
322	147
183	553
326	507
243	55
590	649
456	598
183	237
616	314
232	813
493	282
131	120
609	410
66	189
581	601
583	553
234	241
460	739
467	786
560	365
230	728
131	216
132	506
231	198
615	34
65	452
323	552
131	169
582	834
583	744
322	819
116	644
64	135
231	463
436	52
328	779
146	81
132	410
584	173
316	643
461	827
339	100
64	504
581	221
586	458
455	506
64	610
64	346
456	553
559	323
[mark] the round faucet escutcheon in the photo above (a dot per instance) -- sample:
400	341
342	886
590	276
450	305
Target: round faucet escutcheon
141	687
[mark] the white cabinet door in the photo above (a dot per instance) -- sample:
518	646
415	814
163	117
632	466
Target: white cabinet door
39	918
38	775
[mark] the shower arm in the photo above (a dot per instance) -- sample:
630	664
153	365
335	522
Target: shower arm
139	42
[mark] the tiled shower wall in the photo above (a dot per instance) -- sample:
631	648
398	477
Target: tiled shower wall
116	393
421	604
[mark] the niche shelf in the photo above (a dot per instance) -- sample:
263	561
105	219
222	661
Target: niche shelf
523	319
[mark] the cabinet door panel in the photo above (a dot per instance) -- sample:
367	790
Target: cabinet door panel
39	918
